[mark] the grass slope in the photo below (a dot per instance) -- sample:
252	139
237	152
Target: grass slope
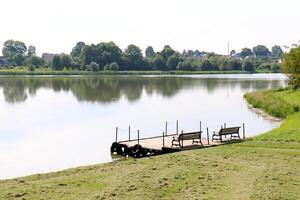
263	167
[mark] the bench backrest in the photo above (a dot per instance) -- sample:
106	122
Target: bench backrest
231	130
190	136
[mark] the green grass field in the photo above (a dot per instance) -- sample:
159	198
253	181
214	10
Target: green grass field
47	71
263	167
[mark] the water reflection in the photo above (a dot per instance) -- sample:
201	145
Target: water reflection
54	123
107	89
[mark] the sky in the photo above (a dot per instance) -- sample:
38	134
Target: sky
208	25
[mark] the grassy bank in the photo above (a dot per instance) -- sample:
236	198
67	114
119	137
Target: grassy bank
263	167
46	71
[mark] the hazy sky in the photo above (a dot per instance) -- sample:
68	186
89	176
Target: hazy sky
55	26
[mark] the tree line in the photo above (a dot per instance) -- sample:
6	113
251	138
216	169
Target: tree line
108	56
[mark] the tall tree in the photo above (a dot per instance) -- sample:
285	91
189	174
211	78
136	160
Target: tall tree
31	51
76	51
12	48
277	51
66	61
167	52
291	66
57	63
261	51
149	52
135	56
246	52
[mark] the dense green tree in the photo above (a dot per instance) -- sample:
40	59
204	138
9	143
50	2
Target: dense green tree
248	66
135	57
76	51
12	48
167	52
185	65
14	52
246	52
277	51
66	61
108	52
57	63
235	64
173	61
261	51
206	65
291	66
31	51
159	63
149	52
35	61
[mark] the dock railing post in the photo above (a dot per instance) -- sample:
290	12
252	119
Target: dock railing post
166	129
117	129
182	139
138	134
244	135
129	133
177	127
207	135
200	126
163	139
224	125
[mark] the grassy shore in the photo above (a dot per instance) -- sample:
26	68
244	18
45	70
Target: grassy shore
46	71
263	167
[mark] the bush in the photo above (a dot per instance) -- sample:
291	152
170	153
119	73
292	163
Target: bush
248	66
114	66
94	67
265	66
31	68
275	67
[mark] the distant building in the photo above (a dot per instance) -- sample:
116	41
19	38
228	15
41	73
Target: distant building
48	57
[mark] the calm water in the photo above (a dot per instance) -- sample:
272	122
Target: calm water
53	123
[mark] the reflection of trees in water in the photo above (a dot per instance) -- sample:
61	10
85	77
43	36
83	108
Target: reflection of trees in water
107	89
14	91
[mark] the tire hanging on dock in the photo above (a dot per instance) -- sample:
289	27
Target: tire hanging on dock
123	150
115	147
137	151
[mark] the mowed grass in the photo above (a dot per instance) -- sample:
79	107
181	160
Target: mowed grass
263	167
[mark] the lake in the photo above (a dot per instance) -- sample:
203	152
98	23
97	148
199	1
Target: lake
52	123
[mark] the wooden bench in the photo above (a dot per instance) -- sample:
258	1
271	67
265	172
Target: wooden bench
195	136
232	131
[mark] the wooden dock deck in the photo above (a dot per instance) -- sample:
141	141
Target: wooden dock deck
159	145
168	143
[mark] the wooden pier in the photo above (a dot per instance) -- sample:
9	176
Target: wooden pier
142	147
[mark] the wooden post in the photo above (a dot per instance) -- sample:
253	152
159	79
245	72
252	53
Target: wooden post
244	134
182	139
129	133
224	125
166	128
163	139
177	127
138	132
117	129
207	135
